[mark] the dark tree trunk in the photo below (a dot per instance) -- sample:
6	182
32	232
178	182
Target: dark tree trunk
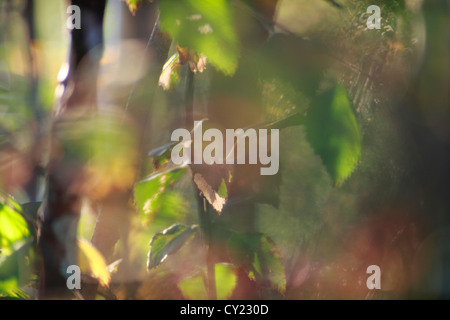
58	221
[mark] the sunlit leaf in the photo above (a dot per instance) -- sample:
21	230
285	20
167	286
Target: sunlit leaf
149	194
13	226
259	256
223	191
205	27
91	262
333	132
170	74
226	280
167	242
193	288
134	5
16	269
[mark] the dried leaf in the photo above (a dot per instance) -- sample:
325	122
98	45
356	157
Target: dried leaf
208	192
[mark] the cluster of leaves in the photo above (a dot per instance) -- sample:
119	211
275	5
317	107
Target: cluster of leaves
19	254
205	31
255	253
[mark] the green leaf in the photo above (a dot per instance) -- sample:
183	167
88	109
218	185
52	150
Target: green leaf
16	269
167	242
333	132
149	194
226	280
13	226
259	256
193	288
223	191
134	5
203	26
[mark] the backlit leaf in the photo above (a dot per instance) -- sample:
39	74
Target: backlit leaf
150	194
193	288
16	269
170	74
203	26
167	242
333	132
13	226
223	192
91	262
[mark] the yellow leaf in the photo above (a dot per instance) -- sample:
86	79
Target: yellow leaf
91	262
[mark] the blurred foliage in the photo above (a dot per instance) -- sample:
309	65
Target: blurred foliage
363	149
206	27
152	193
13	225
194	288
16	248
260	258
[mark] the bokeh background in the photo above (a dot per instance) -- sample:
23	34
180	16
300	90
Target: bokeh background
393	210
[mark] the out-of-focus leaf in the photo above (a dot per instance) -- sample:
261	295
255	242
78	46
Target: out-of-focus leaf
259	256
333	132
170	75
193	288
91	262
13	226
134	5
226	280
205	27
149	194
167	242
169	78
16	269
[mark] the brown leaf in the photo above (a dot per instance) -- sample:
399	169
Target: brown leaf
209	193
